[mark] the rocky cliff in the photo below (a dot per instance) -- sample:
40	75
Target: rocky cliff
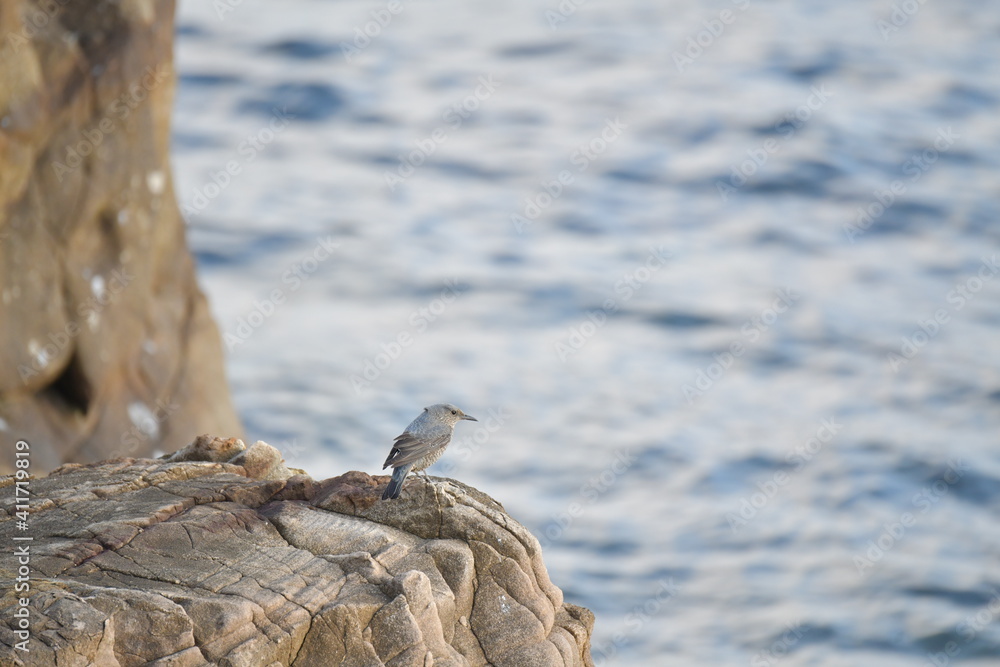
106	343
194	561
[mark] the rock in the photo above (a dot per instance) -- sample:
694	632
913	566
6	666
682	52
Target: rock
207	448
107	347
195	561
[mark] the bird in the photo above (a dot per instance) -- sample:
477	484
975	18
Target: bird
421	444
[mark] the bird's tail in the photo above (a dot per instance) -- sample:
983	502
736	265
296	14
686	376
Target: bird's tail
396	483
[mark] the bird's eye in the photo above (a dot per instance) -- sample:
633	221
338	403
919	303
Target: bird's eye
454	412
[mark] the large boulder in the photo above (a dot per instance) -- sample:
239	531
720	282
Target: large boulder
107	347
192	561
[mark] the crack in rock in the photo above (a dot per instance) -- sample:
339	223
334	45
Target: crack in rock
188	563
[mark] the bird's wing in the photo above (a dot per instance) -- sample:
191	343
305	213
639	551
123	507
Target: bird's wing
410	448
388	459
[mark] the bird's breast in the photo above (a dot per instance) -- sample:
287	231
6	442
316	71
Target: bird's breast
429	459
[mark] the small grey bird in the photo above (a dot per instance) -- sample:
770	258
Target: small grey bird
421	444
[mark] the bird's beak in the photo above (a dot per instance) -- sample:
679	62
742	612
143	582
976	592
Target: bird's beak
470	418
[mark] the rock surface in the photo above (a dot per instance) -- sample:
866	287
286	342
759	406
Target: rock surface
187	560
106	344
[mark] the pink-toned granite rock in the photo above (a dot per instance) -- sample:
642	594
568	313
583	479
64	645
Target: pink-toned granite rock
205	562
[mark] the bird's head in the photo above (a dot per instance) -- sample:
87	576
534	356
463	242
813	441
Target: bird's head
448	413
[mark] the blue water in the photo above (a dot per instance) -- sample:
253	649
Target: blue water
718	279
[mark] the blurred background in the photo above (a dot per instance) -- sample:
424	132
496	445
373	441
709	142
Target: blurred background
718	279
